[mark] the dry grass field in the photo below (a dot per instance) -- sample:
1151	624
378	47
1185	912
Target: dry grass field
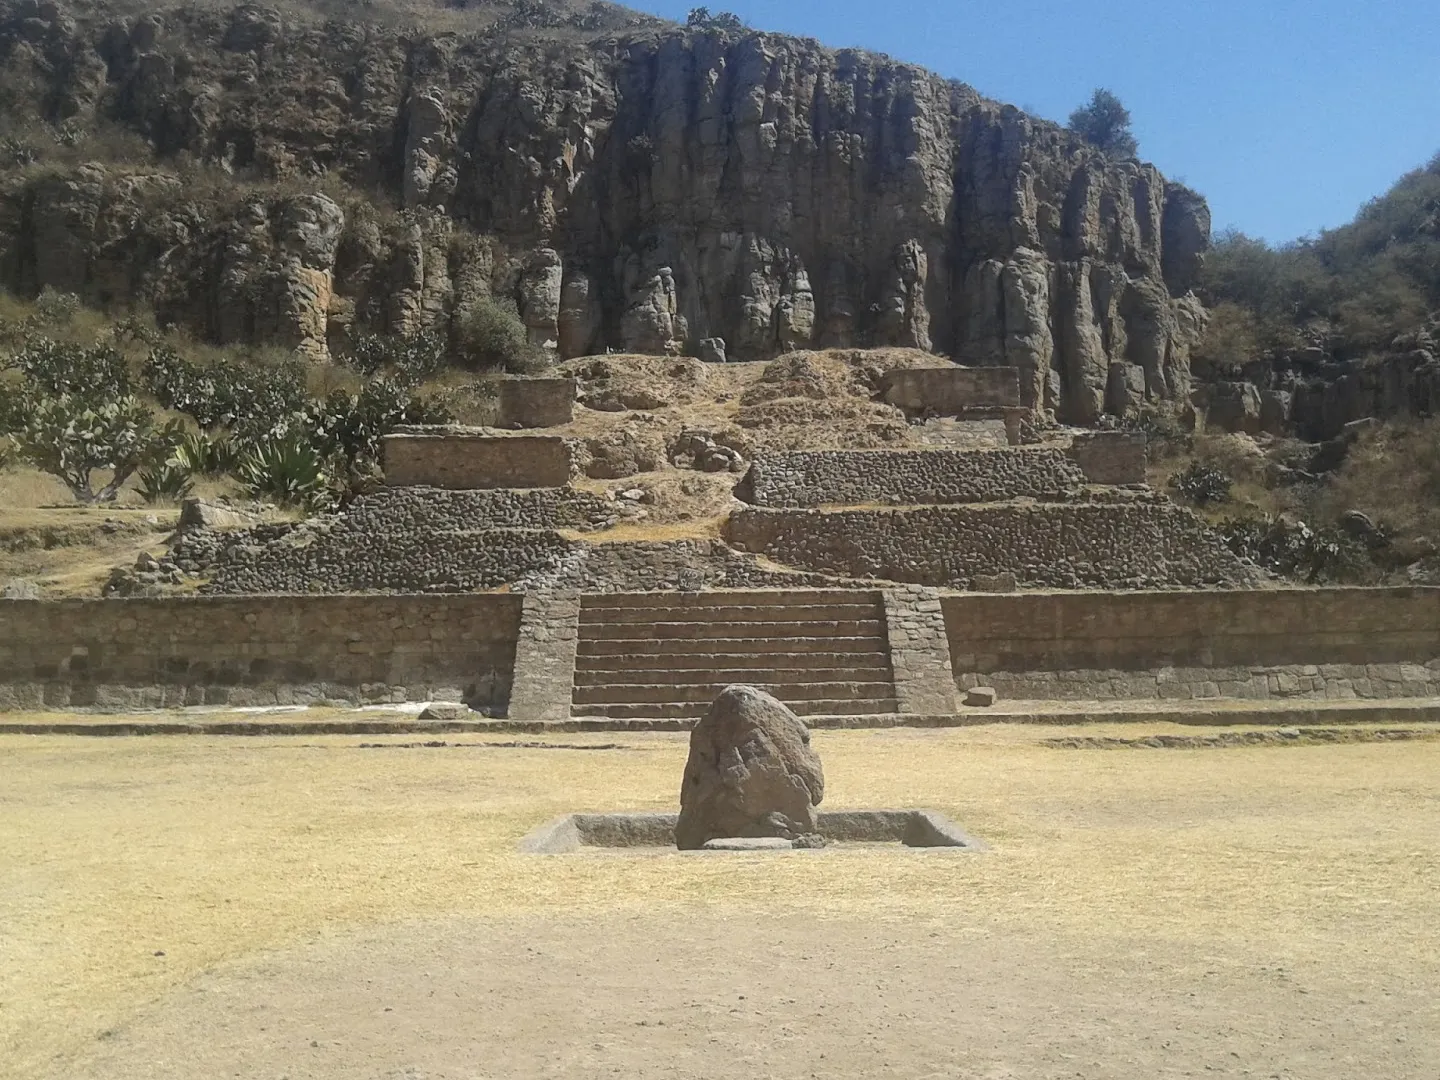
315	907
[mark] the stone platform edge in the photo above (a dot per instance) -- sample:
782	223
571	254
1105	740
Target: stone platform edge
1419	710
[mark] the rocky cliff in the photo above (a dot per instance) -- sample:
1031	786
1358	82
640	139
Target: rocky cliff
276	177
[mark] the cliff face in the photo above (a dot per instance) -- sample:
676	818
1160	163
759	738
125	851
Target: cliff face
640	192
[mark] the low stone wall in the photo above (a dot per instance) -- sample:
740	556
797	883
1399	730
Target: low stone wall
909	477
411	539
256	650
457	560
1110	457
536	402
469	460
951	390
419	508
1136	544
1276	643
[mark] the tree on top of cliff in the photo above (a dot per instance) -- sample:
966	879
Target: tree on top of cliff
721	20
1104	123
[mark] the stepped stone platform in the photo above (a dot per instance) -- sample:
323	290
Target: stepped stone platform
957	517
513	602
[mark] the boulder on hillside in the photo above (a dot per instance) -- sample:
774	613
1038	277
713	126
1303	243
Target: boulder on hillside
20	589
751	772
198	514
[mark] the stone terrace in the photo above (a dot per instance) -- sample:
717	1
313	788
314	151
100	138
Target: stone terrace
910	477
961	516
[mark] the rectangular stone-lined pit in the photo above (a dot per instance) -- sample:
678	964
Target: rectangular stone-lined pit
905	829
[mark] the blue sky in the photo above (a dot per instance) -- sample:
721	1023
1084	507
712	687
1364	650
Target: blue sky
1286	115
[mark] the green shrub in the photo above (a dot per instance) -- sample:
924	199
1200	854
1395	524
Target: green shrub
55	307
414	356
1232	340
251	399
97	373
351	425
1104	123
491	337
1294	549
702	18
203	454
1202	483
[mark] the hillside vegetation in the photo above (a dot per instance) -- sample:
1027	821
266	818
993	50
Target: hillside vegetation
1350	292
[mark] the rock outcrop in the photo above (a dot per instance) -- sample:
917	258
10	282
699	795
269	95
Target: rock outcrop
643	190
751	772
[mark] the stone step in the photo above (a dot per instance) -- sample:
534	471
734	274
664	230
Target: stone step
689	710
754	598
602	615
616	663
711	631
706	692
838	645
756	676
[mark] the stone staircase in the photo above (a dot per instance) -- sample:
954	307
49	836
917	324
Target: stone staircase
823	653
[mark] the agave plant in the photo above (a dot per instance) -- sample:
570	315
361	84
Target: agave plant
288	469
170	481
204	454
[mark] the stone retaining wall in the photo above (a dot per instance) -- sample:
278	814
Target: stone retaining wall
1275	643
909	477
267	650
1110	457
411	539
531	402
1137	544
256	650
456	459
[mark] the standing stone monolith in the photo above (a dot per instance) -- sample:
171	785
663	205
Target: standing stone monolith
751	772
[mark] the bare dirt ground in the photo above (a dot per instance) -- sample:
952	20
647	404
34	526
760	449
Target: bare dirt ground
312	907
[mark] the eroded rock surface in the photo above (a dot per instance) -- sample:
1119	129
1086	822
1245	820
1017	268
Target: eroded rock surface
645	188
751	772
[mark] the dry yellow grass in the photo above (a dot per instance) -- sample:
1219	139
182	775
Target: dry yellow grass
211	849
22	488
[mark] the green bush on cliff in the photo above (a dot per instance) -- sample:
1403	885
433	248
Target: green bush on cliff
1104	123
